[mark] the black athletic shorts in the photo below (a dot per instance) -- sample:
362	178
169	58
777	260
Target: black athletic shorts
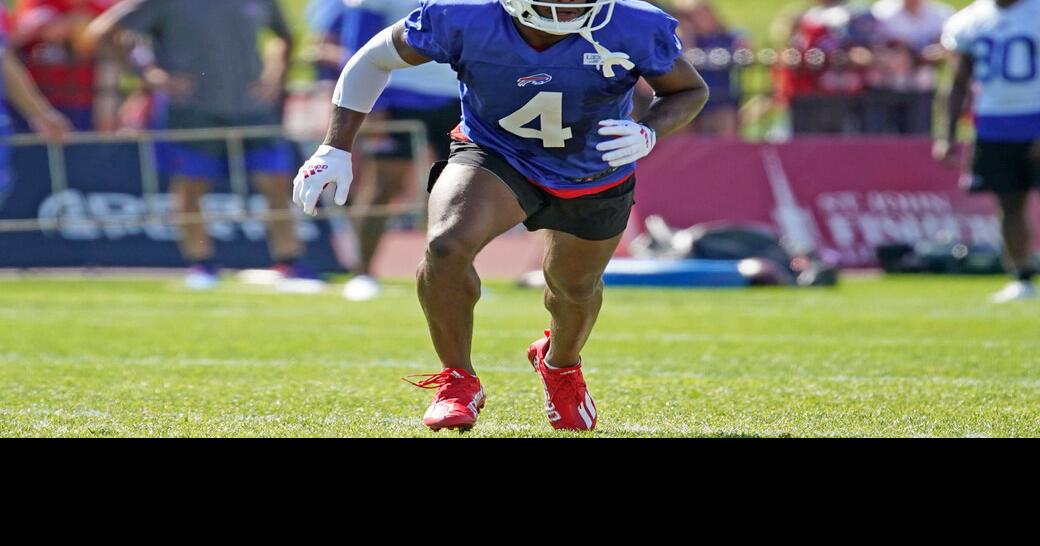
439	124
1004	167
595	217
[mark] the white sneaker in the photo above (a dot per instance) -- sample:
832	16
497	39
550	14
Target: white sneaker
1017	290
261	277
200	278
362	288
291	285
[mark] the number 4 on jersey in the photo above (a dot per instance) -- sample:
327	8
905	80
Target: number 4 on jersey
549	107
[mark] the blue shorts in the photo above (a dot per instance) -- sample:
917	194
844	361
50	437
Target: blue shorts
183	160
209	159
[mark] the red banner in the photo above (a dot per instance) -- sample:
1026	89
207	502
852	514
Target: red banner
846	195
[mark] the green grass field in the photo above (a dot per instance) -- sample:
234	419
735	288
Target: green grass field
874	357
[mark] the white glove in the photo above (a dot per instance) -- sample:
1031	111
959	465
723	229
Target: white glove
327	166
634	141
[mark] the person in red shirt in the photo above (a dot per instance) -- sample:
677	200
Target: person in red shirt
48	36
18	91
821	74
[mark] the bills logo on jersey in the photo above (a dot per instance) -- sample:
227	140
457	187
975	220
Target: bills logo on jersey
537	79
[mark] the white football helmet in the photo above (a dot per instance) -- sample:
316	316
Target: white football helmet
523	11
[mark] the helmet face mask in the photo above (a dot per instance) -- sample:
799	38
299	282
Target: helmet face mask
525	12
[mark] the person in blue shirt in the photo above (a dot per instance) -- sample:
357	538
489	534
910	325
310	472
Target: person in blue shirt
545	140
427	93
712	49
342	27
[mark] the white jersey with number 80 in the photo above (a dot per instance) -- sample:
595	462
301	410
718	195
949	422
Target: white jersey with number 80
1005	46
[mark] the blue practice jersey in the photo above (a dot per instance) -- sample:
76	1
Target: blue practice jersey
353	27
541	109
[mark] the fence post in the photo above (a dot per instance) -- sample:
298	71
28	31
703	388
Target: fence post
56	167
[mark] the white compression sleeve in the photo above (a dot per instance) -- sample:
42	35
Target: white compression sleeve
367	73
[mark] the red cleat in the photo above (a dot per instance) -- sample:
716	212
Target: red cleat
568	404
458	400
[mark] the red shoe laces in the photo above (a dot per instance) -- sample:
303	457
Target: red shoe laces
442	381
566	382
563	379
432	381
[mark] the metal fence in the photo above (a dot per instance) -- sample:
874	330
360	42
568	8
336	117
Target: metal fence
234	138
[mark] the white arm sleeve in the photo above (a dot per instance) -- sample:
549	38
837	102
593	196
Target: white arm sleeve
367	73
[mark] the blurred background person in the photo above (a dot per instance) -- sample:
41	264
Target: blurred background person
336	27
821	74
50	40
711	46
209	68
995	49
140	110
428	93
903	79
18	90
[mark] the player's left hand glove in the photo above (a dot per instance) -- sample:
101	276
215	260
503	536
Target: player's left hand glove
634	141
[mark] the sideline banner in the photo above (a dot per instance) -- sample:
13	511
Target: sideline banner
849	195
104	183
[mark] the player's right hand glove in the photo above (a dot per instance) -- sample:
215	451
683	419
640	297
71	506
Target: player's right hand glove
327	166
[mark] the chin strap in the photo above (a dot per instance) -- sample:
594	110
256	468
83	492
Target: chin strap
607	58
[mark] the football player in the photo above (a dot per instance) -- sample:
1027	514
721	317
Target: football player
996	44
545	140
